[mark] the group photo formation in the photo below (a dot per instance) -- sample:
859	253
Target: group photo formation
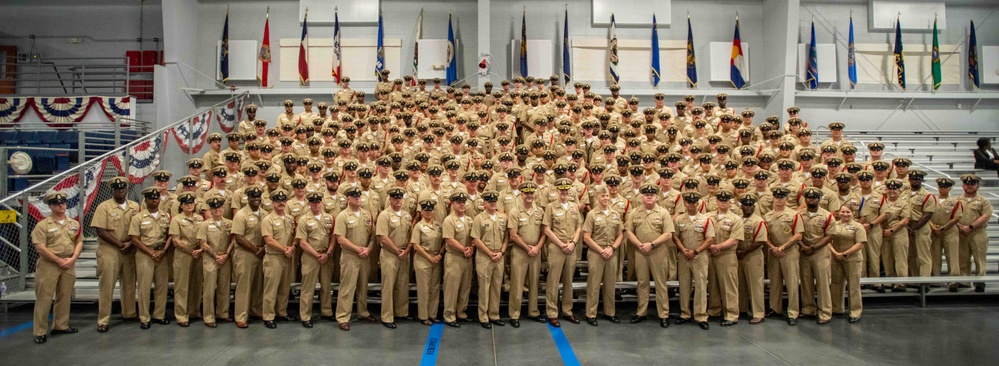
530	188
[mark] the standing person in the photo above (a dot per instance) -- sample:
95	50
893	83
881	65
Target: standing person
848	239
490	238
974	241
456	232
723	268
786	229
353	231
115	253
561	226
392	229
525	262
603	235
278	232
214	237
869	215
815	270
750	256
58	242
313	233
247	261
923	206
426	241
896	239
650	230
945	239
696	233
187	267
148	230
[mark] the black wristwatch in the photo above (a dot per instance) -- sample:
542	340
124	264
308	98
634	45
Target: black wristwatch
696	252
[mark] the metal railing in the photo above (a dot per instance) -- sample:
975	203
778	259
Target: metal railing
73	76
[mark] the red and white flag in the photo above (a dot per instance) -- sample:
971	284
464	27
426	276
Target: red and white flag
265	52
336	47
303	51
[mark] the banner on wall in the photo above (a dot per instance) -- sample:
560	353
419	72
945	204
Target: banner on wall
59	112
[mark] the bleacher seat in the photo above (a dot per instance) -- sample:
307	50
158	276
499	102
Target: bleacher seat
9	138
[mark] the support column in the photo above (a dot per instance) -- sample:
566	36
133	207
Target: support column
483	45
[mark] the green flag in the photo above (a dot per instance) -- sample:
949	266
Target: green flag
936	58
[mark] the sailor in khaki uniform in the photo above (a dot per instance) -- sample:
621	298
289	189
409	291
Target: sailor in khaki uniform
603	234
313	233
750	254
456	232
278	232
650	229
695	233
923	204
848	239
58	242
895	250
815	257
115	252
490	237
248	273
945	237
974	241
392	230
723	267
562	227
214	238
187	267
427	244
149	233
786	228
525	225
353	229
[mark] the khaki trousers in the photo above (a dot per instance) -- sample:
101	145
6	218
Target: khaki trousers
524	269
920	263
490	276
693	273
114	266
149	273
895	253
630	260
52	282
277	285
249	285
847	271
457	286
600	283
187	284
313	272
215	291
751	284
945	245
723	286
395	285
560	268
872	253
353	278
785	271
657	263
815	277
974	247
428	287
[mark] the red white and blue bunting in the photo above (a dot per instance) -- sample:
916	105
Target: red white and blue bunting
59	111
62	110
191	136
12	109
70	186
144	157
115	107
230	114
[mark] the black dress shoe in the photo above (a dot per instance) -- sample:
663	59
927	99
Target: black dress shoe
369	319
727	323
69	330
979	288
270	324
591	321
792	321
952	288
704	325
464	320
612	319
330	318
144	325
554	322
498	322
772	314
288	318
637	319
389	325
664	322
453	324
161	321
307	324
487	325
539	319
41	339
426	322
102	328
854	320
879	289
680	321
822	322
515	323
571	318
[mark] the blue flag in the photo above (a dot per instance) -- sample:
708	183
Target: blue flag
899	55
452	64
851	58
523	44
691	59
566	67
812	67
736	62
224	58
655	53
973	58
380	56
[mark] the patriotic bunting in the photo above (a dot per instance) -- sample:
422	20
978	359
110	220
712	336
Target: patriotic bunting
61	110
70	186
191	136
12	109
145	157
230	114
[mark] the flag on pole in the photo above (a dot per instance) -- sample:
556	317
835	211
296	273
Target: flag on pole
736	62
303	51
380	52
523	44
691	59
973	58
566	66
265	52
937	77
851	58
613	51
416	48
337	73
224	58
812	67
899	55
452	64
655	52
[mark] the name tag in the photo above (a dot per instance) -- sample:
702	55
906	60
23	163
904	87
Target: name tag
52	230
598	219
312	224
458	226
277	223
147	222
559	214
212	227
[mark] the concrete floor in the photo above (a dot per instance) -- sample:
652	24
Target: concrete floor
952	331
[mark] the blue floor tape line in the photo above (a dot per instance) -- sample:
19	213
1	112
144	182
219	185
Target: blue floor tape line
564	349
15	329
433	347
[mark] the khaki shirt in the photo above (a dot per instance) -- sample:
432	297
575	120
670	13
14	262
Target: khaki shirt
297	207
604	226
394	225
111	217
226	195
783	225
845	236
247	224
491	230
974	208
562	221
649	224
151	230
947	209
694	230
921	201
896	211
851	200
186	229
215	234
315	230
334	202
354	226
755	229
728	226
280	228
60	238
459	229
816	224
428	236
870	206
441	208
527	222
